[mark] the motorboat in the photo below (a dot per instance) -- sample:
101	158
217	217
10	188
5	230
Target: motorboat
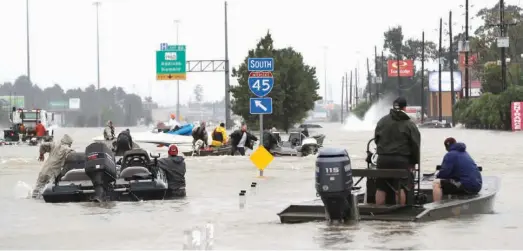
297	144
96	175
183	130
198	150
342	199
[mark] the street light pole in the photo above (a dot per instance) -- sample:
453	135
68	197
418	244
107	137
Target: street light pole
97	4
325	72
27	38
177	22
228	122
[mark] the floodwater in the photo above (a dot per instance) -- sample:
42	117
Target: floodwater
213	187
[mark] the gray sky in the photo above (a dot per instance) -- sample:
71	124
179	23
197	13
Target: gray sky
63	37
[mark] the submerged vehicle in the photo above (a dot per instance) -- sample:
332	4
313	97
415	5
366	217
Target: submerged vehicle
97	176
435	124
307	125
23	124
342	199
200	151
298	144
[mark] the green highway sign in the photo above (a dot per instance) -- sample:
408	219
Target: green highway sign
171	62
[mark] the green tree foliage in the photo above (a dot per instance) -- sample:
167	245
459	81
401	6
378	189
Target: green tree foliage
492	109
294	92
116	105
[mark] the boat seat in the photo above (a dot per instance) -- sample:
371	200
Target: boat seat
131	171
135	157
75	175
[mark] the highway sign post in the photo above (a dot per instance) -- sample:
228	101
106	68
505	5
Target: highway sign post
171	62
261	82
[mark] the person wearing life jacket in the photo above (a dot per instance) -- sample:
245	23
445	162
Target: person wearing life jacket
40	129
219	136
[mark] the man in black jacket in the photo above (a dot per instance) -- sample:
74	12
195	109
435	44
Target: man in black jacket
398	147
174	168
241	139
200	133
124	142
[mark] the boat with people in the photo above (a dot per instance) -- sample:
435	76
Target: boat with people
342	198
25	126
198	150
97	175
299	143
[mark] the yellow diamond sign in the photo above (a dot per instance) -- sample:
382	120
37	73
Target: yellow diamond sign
261	158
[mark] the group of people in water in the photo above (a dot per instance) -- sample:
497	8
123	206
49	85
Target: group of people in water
238	140
398	144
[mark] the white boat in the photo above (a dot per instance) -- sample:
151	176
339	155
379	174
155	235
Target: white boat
155	138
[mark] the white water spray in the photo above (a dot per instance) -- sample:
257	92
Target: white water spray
22	190
372	116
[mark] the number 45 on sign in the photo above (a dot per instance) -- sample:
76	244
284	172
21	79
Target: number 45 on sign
261	83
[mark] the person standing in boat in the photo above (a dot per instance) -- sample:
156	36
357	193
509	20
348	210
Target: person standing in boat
241	139
398	143
458	174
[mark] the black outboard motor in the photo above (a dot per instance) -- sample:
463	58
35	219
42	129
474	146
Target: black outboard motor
334	184
100	168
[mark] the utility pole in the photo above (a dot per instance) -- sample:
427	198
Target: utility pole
451	51
376	82
27	38
356	86
382	70
502	28
440	99
342	93
350	90
347	92
325	72
398	69
369	89
228	122
422	77
177	23
467	82
97	4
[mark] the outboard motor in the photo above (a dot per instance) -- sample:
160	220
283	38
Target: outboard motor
100	168
334	184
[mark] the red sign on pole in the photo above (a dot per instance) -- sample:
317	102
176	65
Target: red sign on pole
516	114
405	67
472	60
260	74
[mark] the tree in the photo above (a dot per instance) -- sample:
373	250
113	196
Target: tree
116	105
294	92
198	93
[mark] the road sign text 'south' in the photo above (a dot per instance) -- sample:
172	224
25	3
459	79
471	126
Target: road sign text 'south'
261	158
171	62
260	64
261	83
261	106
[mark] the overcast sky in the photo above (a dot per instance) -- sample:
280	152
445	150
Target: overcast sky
63	37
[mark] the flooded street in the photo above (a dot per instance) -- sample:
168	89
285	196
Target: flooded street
213	184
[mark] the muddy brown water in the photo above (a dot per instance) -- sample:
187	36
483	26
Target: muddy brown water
213	184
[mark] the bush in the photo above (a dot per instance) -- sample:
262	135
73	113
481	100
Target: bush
361	109
489	111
